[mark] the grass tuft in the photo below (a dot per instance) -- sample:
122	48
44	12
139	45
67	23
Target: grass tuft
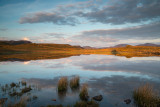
86	104
145	96
74	82
62	84
21	103
84	93
55	105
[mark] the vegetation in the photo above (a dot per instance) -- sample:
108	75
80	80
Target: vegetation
145	96
86	104
137	51
114	52
55	105
62	84
21	103
16	92
34	51
74	82
84	93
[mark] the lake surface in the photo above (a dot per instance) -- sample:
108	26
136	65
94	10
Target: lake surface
113	77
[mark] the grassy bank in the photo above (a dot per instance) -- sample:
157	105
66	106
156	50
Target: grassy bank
35	51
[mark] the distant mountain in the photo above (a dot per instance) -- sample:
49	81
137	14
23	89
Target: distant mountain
148	44
88	47
120	45
12	42
124	45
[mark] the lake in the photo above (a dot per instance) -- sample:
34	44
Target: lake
114	77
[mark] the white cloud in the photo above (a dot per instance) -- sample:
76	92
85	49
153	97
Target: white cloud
26	38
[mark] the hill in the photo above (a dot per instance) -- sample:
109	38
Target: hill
12	42
22	51
149	44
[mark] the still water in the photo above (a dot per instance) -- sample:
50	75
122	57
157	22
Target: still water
113	77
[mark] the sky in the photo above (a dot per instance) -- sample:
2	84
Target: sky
97	23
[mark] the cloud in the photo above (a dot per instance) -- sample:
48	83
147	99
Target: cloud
54	35
111	12
147	31
3	38
60	15
25	38
48	17
124	11
24	30
3	29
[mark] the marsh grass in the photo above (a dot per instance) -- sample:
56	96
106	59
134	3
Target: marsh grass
86	104
84	93
74	82
145	96
55	105
23	83
62	84
12	84
21	103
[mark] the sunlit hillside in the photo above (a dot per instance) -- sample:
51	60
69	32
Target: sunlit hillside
33	51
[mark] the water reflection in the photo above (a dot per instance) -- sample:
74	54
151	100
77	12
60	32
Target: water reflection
112	76
114	89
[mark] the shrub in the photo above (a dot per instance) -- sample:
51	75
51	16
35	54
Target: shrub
145	96
55	105
114	52
84	93
86	104
74	82
21	103
62	84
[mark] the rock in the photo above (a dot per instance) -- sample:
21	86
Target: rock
35	97
86	97
12	85
2	100
53	99
27	89
98	98
127	101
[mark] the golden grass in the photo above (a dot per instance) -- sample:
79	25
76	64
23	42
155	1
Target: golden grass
62	84
35	51
145	96
74	82
138	51
84	93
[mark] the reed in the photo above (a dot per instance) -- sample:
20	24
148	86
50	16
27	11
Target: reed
145	96
84	93
74	82
86	104
62	84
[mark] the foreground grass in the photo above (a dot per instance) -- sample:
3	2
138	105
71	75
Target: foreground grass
84	93
74	82
55	105
79	104
21	103
145	96
62	84
86	104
